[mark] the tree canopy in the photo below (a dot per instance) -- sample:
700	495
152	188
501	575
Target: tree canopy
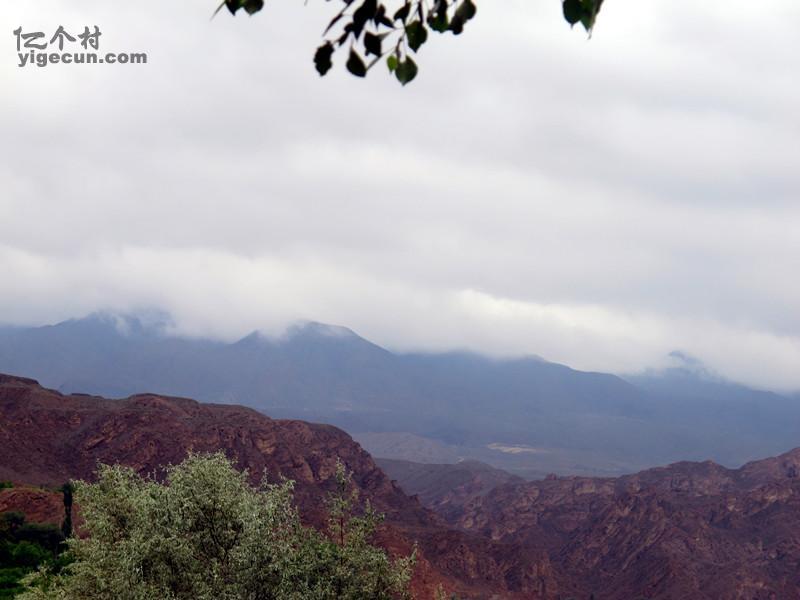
370	30
207	534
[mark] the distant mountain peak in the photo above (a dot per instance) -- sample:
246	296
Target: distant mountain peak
254	338
316	328
682	361
300	331
145	322
685	359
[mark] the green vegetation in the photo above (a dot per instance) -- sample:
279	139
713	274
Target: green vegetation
23	548
4	485
66	526
206	533
371	30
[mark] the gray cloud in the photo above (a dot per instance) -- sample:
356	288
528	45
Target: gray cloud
597	203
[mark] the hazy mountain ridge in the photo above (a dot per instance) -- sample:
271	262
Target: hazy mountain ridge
688	530
591	423
446	488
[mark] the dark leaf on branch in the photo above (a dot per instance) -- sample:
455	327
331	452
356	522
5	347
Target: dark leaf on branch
456	25
233	5
466	10
372	44
381	18
322	58
406	70
402	12
438	19
363	13
356	65
251	7
416	34
573	11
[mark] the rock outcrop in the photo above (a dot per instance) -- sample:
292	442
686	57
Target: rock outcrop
47	438
689	530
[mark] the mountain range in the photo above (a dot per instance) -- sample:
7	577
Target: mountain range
47	438
526	415
688	530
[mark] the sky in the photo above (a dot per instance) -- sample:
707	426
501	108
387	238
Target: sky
598	203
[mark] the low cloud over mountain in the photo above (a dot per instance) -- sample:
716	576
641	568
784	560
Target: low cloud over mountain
526	414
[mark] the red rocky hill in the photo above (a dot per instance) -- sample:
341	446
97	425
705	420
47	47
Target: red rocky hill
48	438
693	531
690	530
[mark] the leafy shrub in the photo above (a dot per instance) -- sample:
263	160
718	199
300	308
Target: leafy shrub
207	534
10	522
28	554
23	548
46	535
10	578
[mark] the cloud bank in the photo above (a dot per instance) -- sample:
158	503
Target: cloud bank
599	203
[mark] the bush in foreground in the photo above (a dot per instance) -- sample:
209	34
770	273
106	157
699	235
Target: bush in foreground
206	533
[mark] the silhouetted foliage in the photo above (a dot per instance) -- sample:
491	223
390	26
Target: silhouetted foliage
66	527
371	30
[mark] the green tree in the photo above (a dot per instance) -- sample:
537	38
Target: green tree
46	535
370	30
358	569
66	526
28	554
206	533
23	548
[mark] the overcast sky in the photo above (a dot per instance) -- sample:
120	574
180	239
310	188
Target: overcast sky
599	203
